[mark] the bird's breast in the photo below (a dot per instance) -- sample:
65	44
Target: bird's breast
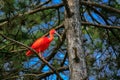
41	44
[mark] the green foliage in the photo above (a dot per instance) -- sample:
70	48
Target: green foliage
101	41
8	6
20	29
55	63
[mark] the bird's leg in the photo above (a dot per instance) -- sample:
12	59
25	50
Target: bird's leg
39	54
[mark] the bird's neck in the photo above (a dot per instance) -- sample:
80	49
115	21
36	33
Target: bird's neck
51	37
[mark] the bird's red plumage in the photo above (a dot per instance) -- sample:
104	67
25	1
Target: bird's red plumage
41	44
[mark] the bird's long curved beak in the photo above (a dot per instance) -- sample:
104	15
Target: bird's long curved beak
59	35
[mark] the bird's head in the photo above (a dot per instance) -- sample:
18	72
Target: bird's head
53	31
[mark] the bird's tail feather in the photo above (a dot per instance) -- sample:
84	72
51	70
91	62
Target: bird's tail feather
28	53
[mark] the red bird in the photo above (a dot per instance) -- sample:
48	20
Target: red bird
41	44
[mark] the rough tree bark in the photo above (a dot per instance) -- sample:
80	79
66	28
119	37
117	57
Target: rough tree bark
77	64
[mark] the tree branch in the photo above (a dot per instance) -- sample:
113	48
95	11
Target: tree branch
100	26
62	63
3	22
42	59
43	4
68	12
42	74
100	5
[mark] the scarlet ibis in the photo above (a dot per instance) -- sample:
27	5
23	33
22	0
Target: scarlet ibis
41	44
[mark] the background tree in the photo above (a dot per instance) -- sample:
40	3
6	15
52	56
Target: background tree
26	20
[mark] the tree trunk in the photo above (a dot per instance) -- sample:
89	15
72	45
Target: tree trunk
77	64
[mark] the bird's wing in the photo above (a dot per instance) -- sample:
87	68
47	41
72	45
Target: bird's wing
39	42
35	45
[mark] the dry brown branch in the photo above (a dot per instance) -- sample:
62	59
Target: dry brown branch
100	26
91	24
